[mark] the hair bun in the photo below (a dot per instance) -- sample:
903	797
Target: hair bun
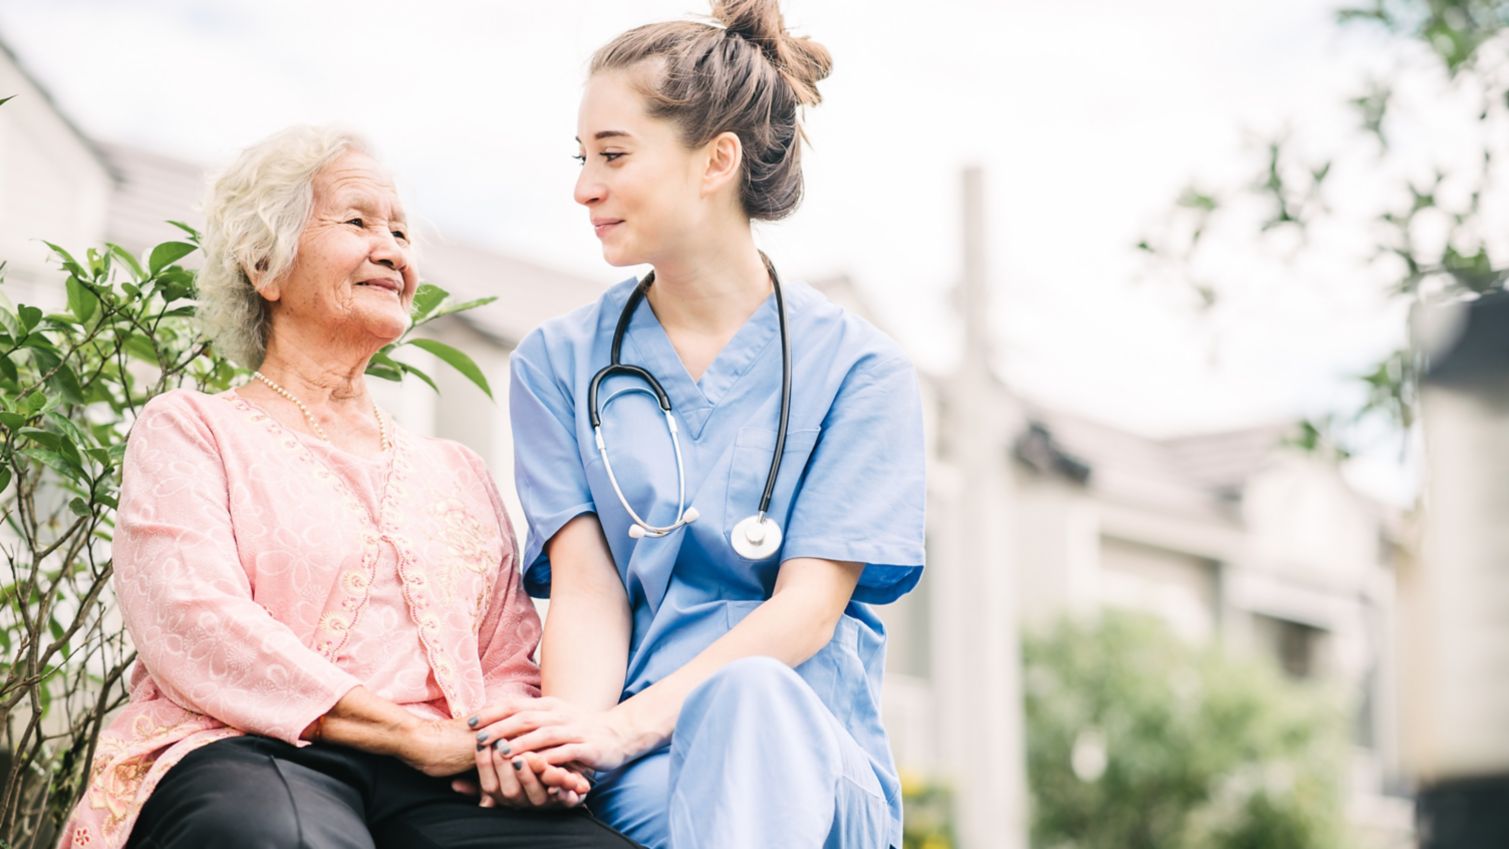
800	60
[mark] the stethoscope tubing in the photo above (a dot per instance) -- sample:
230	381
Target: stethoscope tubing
616	366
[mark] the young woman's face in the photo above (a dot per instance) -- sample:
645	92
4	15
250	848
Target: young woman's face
641	184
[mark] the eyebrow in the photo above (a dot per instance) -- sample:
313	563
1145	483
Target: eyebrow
607	134
365	201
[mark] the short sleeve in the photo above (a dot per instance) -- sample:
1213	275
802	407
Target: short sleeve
862	495
547	459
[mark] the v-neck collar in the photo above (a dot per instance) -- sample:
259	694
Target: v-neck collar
695	400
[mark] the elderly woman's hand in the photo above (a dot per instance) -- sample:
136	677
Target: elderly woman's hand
438	747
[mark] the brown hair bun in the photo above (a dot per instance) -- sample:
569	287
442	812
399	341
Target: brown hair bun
745	75
803	62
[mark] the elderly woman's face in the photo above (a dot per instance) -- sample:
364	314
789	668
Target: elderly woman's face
352	273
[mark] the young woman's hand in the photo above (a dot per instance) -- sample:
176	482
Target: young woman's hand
562	733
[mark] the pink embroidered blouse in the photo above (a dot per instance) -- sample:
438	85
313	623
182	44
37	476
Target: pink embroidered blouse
262	574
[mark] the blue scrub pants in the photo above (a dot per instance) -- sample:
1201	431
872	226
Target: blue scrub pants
757	761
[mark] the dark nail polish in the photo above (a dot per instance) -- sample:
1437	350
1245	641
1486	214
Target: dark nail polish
471	722
502	746
518	763
481	736
481	746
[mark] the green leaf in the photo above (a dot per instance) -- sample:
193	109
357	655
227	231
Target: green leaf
66	426
141	347
45	438
55	461
5	100
385	372
99	263
13	420
66	383
81	301
8	368
452	309
408	369
4	478
30	316
192	233
456	360
426	298
12	324
69	263
166	254
137	272
79	507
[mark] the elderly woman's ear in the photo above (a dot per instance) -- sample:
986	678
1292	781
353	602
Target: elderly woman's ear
262	283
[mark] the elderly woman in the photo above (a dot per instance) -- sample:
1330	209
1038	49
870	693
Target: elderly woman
320	600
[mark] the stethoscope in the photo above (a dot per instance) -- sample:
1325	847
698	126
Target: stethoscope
754	537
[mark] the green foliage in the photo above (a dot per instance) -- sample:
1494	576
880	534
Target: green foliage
1431	236
71	383
1136	740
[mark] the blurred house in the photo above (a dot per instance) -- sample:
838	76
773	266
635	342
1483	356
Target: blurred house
1033	513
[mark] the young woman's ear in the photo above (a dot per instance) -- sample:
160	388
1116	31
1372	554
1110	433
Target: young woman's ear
725	160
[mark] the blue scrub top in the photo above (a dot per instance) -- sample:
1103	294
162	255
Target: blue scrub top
850	486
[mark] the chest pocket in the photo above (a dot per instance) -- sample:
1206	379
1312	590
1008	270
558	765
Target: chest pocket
751	465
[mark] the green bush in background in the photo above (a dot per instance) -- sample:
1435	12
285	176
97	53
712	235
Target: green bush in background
1138	740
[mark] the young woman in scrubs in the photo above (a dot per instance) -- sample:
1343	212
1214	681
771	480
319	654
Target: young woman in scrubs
722	701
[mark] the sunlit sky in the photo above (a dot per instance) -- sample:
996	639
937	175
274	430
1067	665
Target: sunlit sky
1089	118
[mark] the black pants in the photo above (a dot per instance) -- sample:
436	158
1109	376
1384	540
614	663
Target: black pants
258	793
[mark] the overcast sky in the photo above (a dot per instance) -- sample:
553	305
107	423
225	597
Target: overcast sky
1089	117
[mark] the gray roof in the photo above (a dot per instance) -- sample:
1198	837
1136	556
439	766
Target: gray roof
1203	471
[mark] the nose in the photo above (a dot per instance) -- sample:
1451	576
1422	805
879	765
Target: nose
589	190
389	252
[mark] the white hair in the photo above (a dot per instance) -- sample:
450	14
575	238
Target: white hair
254	215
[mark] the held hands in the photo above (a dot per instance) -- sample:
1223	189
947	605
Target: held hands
559	733
522	780
449	747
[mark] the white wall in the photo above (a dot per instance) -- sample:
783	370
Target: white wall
52	187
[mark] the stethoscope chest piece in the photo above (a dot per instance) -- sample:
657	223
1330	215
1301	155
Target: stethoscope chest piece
756	537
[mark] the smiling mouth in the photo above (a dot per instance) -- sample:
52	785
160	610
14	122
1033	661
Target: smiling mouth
603	227
382	285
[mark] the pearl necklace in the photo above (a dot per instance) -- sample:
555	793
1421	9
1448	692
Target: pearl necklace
382	429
